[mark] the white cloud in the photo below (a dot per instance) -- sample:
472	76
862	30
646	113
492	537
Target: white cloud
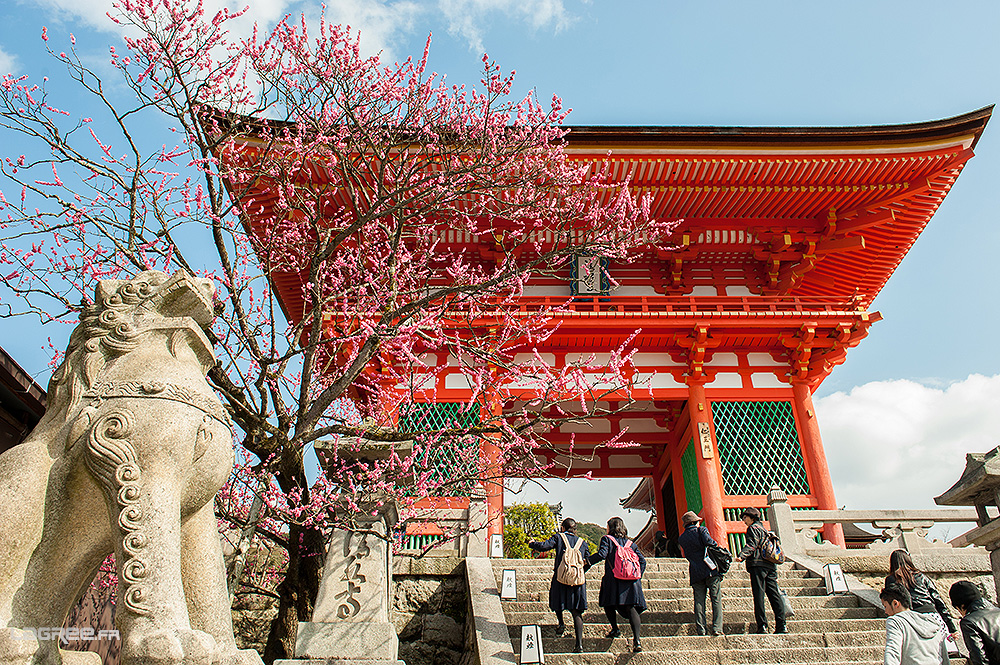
94	13
8	63
380	23
467	18
898	444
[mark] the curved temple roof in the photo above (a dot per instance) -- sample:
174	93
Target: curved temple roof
816	213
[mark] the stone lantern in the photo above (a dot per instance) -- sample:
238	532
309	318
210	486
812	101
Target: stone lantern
979	486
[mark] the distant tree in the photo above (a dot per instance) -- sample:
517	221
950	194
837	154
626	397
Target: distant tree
592	532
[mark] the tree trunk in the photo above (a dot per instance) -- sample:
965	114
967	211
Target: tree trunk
297	591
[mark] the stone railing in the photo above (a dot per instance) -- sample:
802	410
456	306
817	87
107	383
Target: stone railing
900	529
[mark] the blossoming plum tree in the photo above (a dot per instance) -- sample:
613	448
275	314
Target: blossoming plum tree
400	217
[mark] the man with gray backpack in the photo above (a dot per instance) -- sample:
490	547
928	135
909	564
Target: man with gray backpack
568	591
762	554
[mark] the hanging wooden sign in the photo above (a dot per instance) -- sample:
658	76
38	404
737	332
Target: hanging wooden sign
705	439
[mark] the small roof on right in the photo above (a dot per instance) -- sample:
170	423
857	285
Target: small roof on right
979	483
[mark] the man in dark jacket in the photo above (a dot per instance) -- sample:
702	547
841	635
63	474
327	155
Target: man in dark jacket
763	574
980	623
704	578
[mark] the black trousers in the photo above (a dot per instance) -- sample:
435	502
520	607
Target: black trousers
764	580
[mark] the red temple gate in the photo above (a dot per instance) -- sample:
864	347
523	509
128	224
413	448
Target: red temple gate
789	234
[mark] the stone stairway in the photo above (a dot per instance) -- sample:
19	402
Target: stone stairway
825	629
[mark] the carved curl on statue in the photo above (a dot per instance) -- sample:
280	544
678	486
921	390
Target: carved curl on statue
127	460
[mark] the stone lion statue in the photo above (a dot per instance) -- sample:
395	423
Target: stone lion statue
127	459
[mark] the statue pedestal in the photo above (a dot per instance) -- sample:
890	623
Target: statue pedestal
350	624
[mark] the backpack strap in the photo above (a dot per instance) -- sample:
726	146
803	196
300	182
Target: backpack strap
628	543
579	541
564	539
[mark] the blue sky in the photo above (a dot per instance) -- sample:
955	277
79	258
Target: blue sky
731	63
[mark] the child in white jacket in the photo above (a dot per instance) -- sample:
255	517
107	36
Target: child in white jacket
911	638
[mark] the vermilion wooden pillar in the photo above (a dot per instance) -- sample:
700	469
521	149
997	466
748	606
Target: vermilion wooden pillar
706	453
492	476
812	445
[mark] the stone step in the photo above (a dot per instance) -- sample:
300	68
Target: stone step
649	658
539	616
680	605
732	578
620	652
595	626
833	630
651	564
741	580
542	572
732	641
532	588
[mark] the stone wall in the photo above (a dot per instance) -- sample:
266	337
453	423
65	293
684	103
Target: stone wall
252	616
944	567
429	609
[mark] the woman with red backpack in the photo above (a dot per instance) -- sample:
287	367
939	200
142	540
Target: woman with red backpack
569	587
621	586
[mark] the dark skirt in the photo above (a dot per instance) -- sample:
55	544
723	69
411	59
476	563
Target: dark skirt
617	593
569	598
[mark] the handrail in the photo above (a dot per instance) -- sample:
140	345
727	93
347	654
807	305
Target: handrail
892	516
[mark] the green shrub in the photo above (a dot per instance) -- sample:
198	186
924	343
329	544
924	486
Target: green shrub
515	545
523	522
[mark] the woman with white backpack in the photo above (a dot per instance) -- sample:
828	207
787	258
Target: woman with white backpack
569	585
621	586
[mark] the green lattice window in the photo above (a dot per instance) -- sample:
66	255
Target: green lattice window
759	447
692	486
452	461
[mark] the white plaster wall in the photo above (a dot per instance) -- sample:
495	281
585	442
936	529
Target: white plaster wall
457	381
723	360
598	426
726	380
762	360
641	425
766	380
594	359
647	359
548	358
635	291
658	380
